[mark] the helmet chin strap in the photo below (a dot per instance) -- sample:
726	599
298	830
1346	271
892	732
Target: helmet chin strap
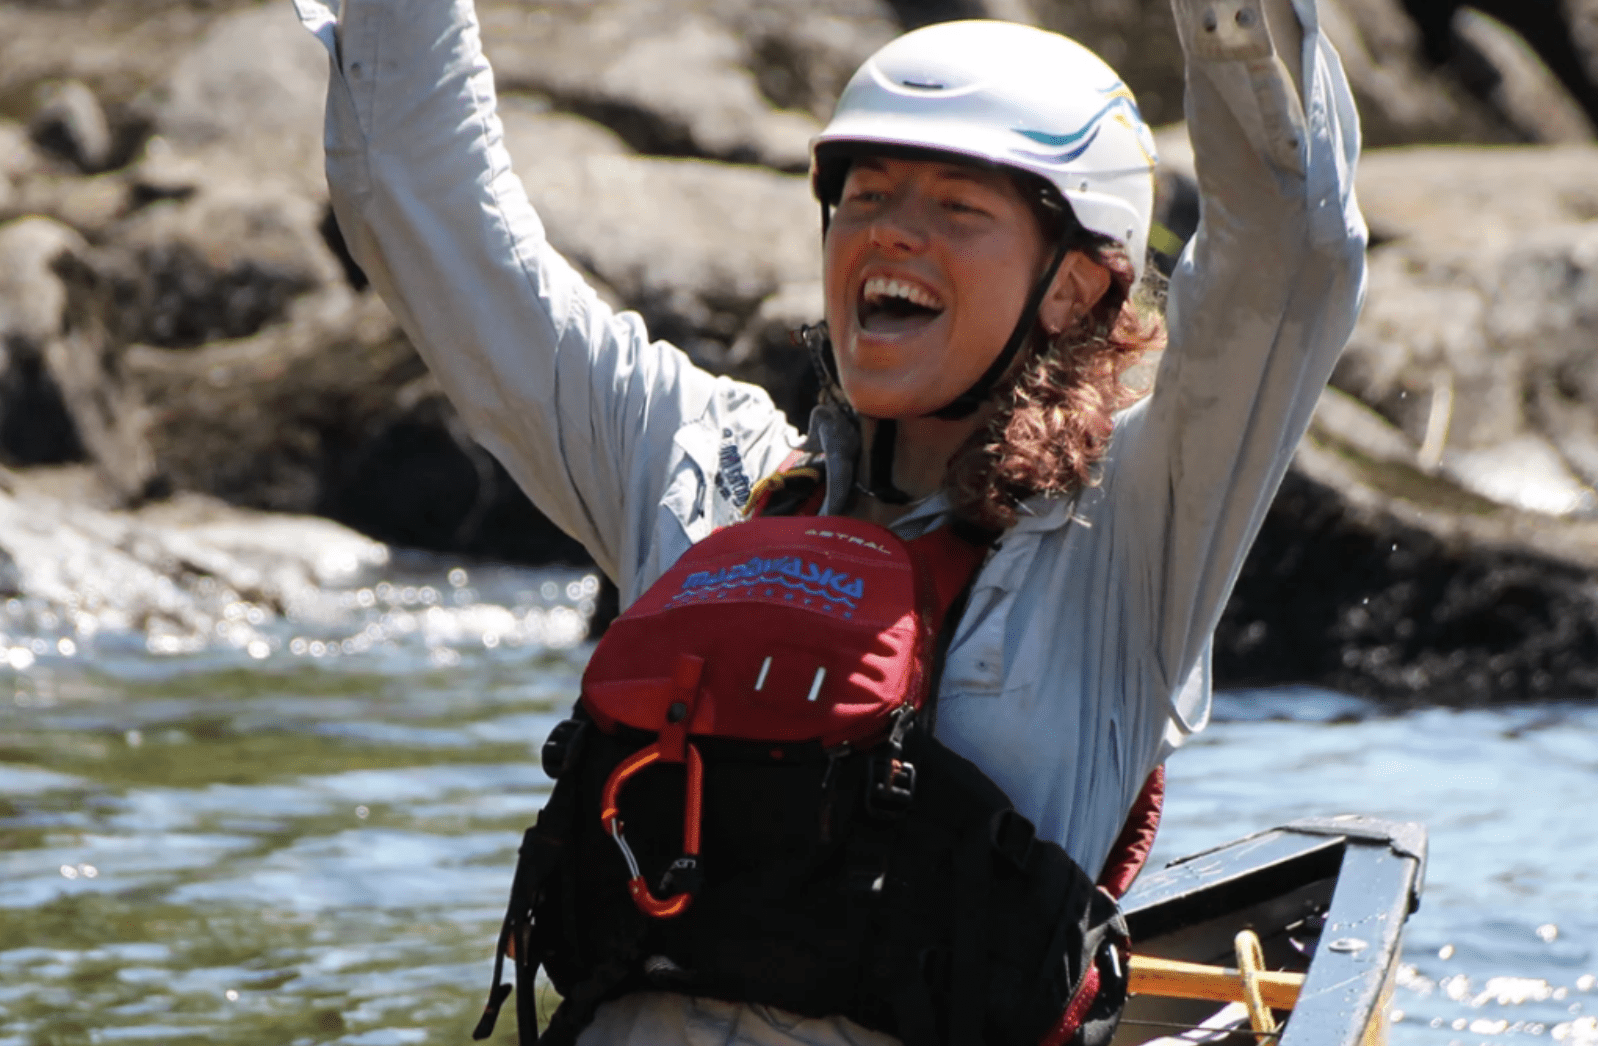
884	439
965	404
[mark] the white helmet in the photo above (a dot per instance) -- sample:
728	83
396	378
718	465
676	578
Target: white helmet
1011	95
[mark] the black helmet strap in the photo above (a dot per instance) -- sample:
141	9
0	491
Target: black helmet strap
965	404
884	441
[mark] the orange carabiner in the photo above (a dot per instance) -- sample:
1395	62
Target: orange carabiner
686	867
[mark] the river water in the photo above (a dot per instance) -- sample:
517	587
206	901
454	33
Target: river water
302	832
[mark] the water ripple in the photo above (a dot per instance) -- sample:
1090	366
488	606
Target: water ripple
310	847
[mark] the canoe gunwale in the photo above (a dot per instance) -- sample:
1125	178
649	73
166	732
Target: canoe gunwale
1373	871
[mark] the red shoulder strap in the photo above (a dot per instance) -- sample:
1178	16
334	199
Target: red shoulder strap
949	559
1132	847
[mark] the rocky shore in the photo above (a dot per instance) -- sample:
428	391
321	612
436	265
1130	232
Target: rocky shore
178	317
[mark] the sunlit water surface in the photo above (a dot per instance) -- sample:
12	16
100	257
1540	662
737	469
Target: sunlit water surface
307	838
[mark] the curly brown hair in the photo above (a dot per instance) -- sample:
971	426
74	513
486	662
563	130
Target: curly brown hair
1055	422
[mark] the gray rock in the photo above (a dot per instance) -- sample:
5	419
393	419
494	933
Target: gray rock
17	154
1547	30
1466	200
1402	97
1437	537
71	124
1137	38
32	298
538	134
180	572
256	420
84	364
694	246
1546	311
222	264
10	576
18	160
767	352
329	410
118	49
249	95
916	13
1481	324
1379	580
89	205
35	427
1522	90
33	183
182	274
1583	15
735	80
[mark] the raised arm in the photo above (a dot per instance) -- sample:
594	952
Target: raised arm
1259	308
581	408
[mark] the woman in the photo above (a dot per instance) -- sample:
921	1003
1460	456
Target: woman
1082	657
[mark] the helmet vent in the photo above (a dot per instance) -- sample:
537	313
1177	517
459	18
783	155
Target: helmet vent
924	85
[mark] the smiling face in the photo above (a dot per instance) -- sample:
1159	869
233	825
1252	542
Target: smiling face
928	266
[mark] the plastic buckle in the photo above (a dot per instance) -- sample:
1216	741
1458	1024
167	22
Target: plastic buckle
684	876
893	785
1012	836
560	749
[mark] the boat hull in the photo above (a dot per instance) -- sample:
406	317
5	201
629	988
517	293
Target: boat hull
1327	898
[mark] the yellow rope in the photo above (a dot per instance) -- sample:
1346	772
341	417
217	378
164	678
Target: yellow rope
775	482
1251	963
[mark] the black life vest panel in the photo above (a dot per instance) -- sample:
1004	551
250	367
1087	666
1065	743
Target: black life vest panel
804	843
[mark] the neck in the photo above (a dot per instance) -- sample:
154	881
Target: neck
921	456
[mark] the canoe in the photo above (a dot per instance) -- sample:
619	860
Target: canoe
1326	899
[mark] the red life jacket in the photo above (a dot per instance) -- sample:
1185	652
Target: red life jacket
750	805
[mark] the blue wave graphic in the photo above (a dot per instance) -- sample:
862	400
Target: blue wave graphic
1120	98
829	584
769	579
1068	155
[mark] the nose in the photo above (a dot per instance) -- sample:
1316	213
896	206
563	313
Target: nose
899	225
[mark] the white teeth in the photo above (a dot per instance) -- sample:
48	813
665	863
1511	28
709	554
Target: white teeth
877	288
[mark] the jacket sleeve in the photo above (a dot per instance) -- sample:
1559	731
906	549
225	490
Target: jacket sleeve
1259	308
572	398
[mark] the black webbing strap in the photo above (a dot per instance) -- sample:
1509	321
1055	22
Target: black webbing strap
913	1010
527	998
542	851
1055	954
537	857
496	999
968	981
884	438
814	338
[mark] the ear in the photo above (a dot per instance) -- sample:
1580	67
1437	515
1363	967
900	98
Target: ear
1077	288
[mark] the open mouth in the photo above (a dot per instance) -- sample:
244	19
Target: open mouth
892	307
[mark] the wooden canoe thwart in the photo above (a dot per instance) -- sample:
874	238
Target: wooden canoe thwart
1326	898
1191	980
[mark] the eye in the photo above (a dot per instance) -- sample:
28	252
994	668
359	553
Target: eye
863	194
964	206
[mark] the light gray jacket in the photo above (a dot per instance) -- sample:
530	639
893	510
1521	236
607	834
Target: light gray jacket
1083	658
